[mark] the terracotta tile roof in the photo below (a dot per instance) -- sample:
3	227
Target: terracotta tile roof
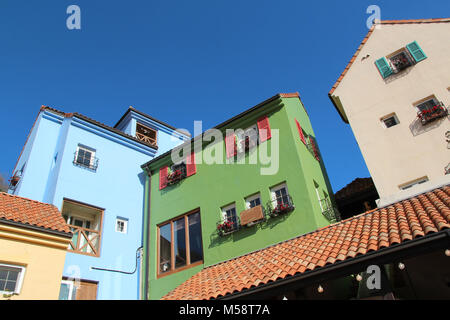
437	20
357	186
31	213
418	216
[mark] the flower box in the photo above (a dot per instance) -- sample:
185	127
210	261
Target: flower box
432	113
225	228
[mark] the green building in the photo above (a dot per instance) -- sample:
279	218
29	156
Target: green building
252	181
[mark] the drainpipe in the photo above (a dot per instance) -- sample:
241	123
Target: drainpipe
147	236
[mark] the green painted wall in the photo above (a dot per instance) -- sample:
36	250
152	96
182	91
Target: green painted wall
215	186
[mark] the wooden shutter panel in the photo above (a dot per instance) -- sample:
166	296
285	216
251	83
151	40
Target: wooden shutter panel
264	129
416	51
163	177
300	131
191	167
384	67
86	291
230	145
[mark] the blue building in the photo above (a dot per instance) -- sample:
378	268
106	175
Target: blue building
92	173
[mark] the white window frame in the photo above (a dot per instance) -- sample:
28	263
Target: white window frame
276	188
20	278
396	53
243	133
125	225
84	148
392	115
226	208
71	291
251	198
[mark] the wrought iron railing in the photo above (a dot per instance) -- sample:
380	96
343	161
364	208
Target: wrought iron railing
90	163
329	210
432	113
14	180
311	144
85	240
178	173
226	227
281	205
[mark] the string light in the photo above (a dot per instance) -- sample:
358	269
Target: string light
401	266
447	252
358	277
320	289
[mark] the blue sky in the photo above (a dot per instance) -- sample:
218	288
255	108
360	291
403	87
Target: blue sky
181	61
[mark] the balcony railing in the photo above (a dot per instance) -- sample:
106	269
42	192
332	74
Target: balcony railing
227	227
400	62
14	180
85	241
146	139
280	206
178	173
432	113
329	210
90	163
312	147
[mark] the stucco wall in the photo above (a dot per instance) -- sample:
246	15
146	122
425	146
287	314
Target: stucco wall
407	151
43	262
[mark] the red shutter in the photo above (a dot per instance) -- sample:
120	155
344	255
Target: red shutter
191	167
230	145
300	131
264	129
163	177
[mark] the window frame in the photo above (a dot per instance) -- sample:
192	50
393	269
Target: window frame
188	265
91	159
125	225
411	184
276	188
386	117
20	278
155	143
252	198
408	55
71	284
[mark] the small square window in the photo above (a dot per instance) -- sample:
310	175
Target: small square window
85	157
229	214
390	120
121	225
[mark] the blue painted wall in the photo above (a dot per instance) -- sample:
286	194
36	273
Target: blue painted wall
117	186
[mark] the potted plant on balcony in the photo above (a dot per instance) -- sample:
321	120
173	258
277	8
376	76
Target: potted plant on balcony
225	228
174	177
281	208
432	113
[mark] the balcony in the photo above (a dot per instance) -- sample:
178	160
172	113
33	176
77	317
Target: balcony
178	173
312	148
330	212
84	240
433	113
280	206
14	180
401	61
227	227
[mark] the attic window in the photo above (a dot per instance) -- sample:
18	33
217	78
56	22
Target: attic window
390	120
145	134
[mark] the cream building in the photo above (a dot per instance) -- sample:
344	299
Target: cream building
33	243
395	94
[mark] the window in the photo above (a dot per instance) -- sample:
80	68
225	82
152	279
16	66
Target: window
180	243
121	225
413	183
390	120
11	278
247	139
67	290
146	134
430	109
229	214
85	222
280	195
85	157
253	201
400	59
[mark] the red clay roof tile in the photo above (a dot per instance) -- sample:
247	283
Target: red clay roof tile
32	213
405	220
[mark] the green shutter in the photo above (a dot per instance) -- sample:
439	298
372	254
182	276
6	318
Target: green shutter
416	51
384	67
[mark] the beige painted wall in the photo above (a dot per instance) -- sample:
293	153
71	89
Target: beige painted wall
43	256
395	155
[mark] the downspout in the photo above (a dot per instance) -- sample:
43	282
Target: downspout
147	236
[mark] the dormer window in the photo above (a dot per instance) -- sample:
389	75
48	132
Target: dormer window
145	134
